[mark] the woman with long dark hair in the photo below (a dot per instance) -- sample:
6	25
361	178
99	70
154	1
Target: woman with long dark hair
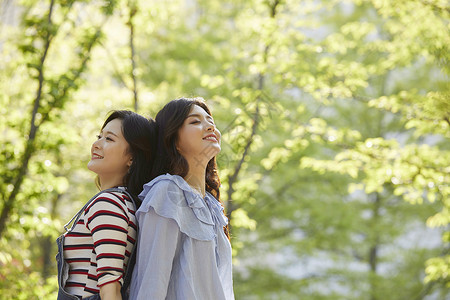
184	250
96	253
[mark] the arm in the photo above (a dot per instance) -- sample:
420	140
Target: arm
110	291
108	222
158	241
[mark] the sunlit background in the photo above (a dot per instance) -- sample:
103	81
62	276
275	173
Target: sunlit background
335	120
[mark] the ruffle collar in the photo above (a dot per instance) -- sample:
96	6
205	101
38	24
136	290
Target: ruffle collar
212	216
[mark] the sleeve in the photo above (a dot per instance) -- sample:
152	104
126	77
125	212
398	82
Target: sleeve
157	244
107	220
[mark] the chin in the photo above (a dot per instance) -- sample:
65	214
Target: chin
218	149
91	166
215	153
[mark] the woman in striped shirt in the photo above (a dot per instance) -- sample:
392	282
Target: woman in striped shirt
94	254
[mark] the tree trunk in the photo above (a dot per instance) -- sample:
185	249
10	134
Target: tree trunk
47	243
373	251
133	10
29	148
34	124
256	118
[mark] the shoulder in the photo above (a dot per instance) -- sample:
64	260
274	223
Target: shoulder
166	187
109	199
170	197
167	182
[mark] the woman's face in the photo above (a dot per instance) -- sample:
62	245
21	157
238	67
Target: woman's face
109	154
198	137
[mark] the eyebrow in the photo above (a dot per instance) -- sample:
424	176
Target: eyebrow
199	116
110	132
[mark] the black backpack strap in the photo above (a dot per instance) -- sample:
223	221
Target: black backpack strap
125	290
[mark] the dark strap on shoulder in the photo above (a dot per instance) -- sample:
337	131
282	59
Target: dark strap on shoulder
75	218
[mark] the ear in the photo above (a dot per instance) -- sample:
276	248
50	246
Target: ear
130	162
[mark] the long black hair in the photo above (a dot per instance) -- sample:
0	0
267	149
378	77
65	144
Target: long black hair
168	160
140	134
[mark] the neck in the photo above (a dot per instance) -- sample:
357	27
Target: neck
196	177
109	182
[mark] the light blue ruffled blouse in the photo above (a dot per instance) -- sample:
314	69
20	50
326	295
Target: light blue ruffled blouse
182	251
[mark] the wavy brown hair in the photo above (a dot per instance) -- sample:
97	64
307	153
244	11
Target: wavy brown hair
168	160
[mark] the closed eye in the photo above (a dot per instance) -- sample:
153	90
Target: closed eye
106	138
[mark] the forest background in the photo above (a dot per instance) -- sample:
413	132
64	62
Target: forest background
335	118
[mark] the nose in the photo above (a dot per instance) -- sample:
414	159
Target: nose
210	126
96	144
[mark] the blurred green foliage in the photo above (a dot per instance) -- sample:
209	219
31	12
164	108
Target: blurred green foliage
335	120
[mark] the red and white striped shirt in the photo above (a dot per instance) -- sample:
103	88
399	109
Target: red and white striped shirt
100	244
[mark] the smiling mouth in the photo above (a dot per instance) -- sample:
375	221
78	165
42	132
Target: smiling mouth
96	156
211	138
